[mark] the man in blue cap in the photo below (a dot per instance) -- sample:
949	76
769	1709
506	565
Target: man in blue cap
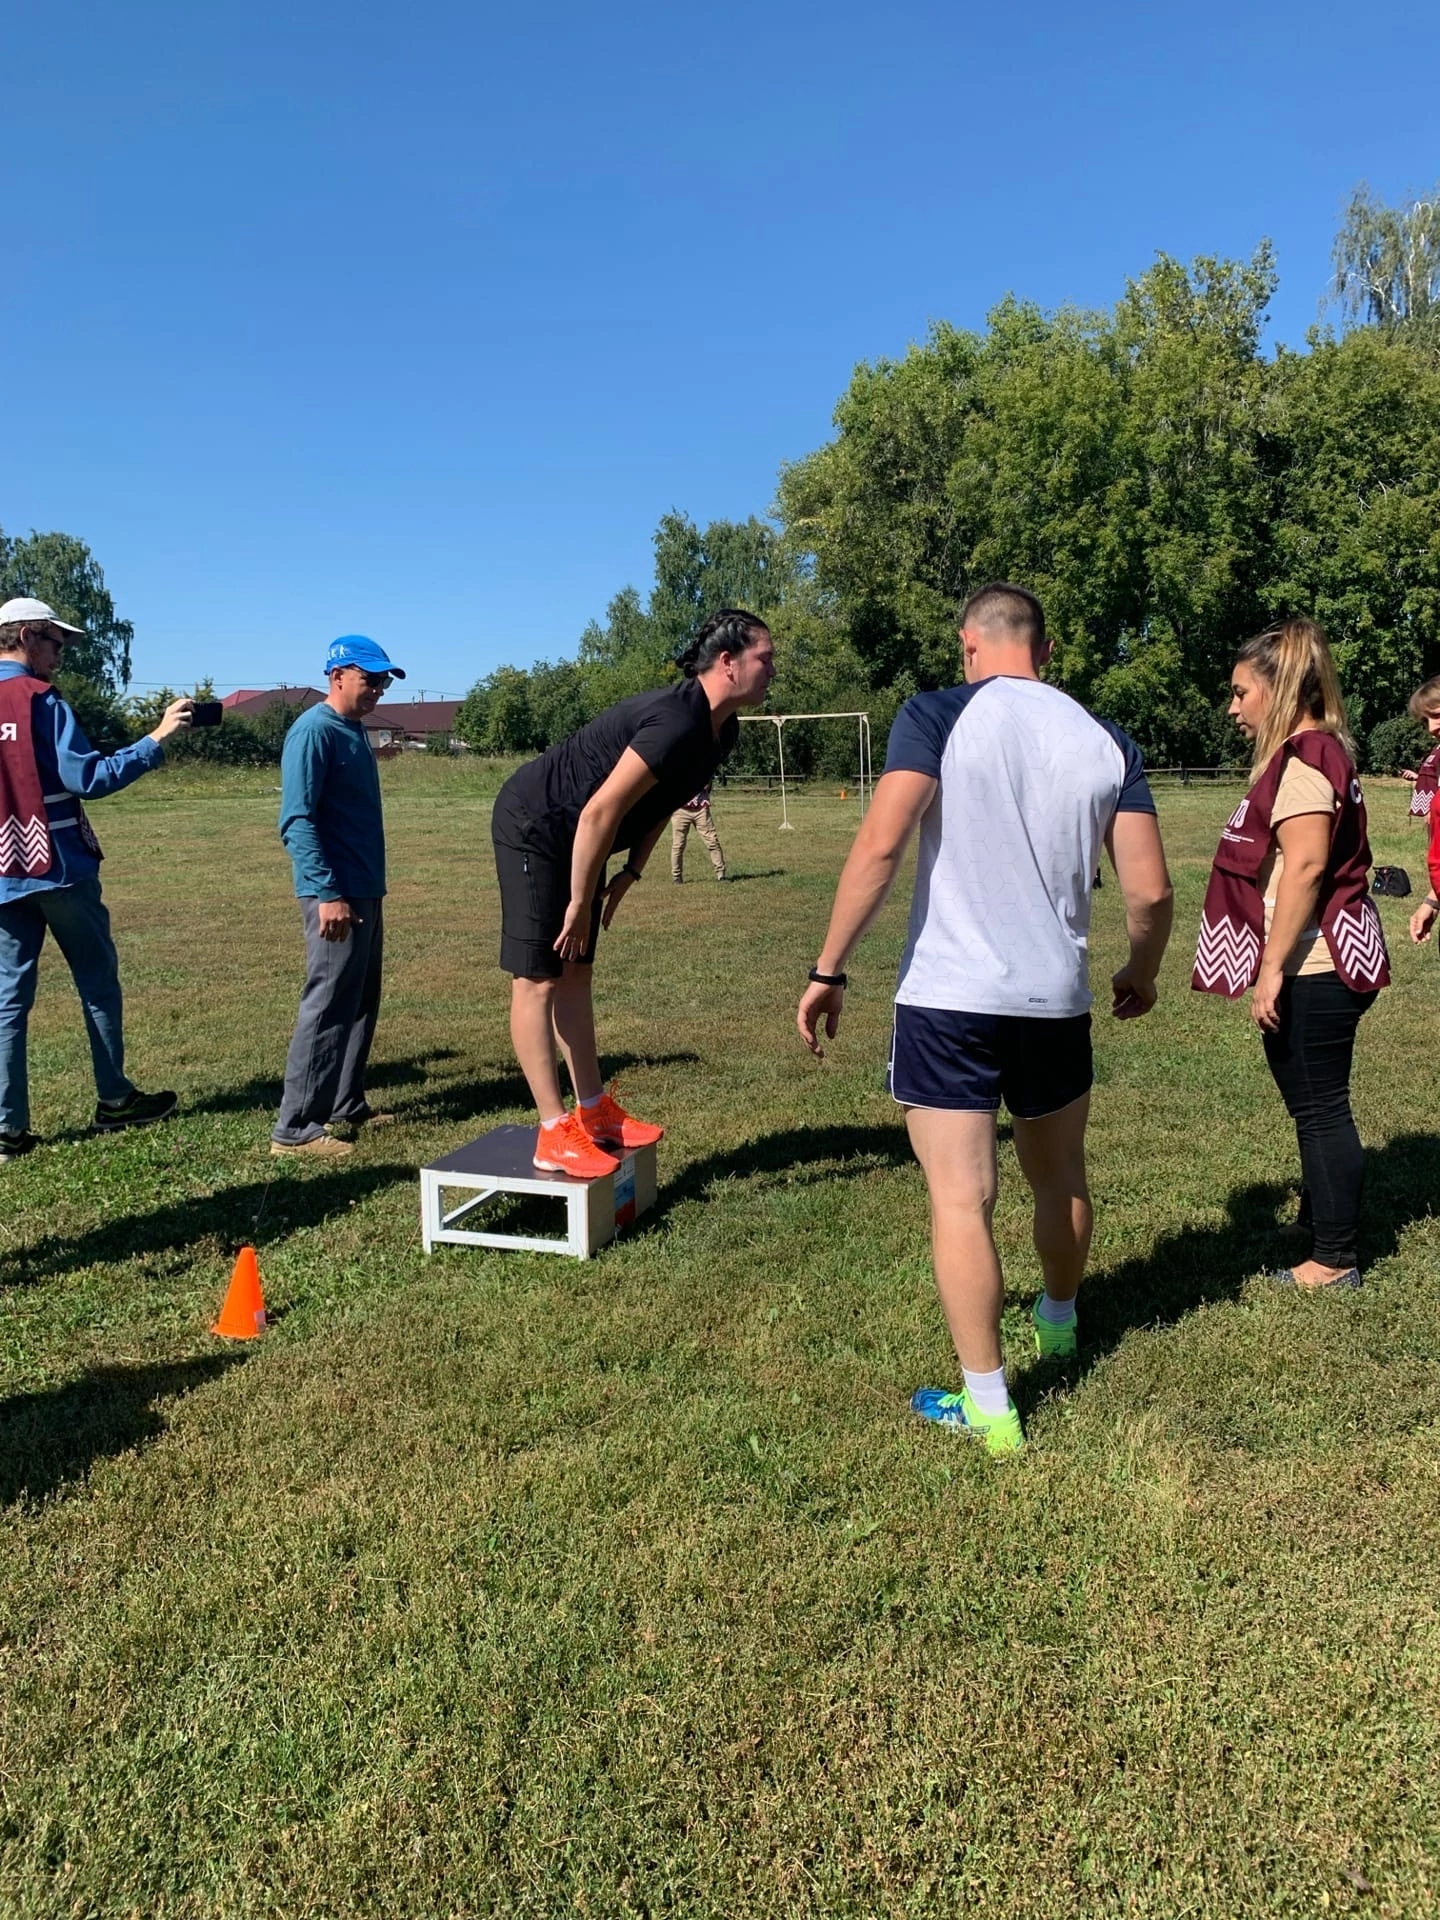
331	823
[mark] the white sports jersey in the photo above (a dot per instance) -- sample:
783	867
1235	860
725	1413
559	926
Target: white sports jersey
1029	784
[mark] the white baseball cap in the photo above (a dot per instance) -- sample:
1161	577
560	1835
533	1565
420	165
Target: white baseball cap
33	613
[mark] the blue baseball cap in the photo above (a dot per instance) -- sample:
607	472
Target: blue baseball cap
354	650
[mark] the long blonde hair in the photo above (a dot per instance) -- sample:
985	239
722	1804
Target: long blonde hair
1294	661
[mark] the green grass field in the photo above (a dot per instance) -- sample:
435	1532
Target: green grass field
503	1584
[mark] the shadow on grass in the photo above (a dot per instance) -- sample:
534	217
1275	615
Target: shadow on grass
453	1099
52	1438
797	1156
259	1212
464	1100
264	1090
1198	1266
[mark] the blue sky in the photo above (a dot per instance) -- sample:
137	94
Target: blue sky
413	320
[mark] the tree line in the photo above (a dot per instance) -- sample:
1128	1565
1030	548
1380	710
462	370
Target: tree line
1165	488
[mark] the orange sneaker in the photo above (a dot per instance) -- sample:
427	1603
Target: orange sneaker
565	1147
608	1123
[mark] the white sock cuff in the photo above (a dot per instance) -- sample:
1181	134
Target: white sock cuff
988	1390
1058	1312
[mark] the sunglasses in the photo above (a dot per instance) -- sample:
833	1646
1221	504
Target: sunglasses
377	682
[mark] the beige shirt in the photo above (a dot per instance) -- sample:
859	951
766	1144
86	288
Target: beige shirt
1302	789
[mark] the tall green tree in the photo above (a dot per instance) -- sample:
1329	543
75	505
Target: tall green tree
62	571
1114	462
1355	524
1387	264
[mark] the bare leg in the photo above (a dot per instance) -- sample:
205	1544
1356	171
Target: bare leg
957	1154
1051	1152
575	1025
532	1033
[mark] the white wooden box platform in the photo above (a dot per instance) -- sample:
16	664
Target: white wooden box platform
502	1162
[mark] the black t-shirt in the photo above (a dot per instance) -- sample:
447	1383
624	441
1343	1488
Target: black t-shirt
669	729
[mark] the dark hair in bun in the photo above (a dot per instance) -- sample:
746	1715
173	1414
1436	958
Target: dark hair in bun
731	630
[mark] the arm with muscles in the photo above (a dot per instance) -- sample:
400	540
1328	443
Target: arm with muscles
1138	857
92	775
595	835
303	765
632	870
1305	842
1423	918
899	800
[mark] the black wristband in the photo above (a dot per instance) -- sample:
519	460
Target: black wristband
634	872
829	979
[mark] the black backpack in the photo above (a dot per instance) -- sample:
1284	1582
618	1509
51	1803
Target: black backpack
1394	881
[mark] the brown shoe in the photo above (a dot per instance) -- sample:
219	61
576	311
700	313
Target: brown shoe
351	1129
323	1147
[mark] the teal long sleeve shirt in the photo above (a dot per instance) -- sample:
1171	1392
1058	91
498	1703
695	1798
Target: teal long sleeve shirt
330	818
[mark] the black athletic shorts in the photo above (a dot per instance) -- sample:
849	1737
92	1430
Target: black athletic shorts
970	1062
534	896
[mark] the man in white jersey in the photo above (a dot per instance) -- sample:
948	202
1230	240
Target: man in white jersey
1015	788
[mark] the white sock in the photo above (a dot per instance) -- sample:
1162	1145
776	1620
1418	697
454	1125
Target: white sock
547	1124
594	1100
988	1390
1058	1312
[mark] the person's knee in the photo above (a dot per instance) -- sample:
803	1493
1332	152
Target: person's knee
533	994
17	993
1060	1187
965	1206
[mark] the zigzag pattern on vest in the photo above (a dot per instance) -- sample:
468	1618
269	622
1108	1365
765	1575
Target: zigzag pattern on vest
1227	953
24	846
1361	942
1420	804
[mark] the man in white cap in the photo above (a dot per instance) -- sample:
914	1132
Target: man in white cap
50	870
334	832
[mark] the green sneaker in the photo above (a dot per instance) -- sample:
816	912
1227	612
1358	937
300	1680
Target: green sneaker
1054	1340
1001	1432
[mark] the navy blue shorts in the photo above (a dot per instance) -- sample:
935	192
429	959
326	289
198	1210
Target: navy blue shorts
970	1062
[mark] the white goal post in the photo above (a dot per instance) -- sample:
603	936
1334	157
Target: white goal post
780	721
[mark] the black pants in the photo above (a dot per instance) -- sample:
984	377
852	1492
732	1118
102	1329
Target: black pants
1309	1057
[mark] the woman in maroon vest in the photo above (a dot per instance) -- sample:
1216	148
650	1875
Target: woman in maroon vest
1424	707
1288	912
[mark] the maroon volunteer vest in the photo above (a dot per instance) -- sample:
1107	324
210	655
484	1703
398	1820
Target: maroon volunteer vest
1427	778
1232	924
25	852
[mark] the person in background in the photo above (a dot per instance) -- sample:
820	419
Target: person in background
334	831
1425	705
50	871
1015	788
695	813
1288	914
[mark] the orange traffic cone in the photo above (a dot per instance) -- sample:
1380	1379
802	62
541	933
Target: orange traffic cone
243	1315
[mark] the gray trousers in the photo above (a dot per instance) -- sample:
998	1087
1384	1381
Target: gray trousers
325	1068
